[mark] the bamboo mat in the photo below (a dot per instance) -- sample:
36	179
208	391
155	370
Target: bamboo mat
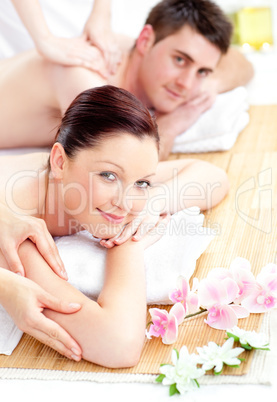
246	226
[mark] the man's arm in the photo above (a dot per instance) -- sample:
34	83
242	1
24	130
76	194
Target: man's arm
233	70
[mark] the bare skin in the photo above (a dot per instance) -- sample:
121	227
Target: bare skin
178	78
116	322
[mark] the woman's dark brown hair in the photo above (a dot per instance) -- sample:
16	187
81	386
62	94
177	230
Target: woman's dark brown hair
98	114
204	16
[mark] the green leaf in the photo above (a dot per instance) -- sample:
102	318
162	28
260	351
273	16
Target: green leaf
217	372
234	365
236	338
261	348
160	378
246	346
173	390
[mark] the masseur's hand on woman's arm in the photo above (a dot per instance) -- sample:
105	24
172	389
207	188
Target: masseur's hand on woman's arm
16	229
25	302
110	331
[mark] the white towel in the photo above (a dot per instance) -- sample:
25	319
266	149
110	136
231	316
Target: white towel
173	255
218	128
10	335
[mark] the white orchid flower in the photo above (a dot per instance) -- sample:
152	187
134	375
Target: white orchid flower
214	356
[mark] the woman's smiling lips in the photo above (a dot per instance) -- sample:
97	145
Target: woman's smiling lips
111	218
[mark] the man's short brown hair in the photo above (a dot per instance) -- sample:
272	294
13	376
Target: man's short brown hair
204	16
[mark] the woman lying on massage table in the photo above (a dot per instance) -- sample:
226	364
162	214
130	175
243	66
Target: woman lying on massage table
102	175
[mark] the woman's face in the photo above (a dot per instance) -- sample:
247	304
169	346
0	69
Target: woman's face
106	187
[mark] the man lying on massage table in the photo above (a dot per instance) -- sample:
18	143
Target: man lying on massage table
179	62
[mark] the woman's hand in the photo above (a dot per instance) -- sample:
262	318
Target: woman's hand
16	229
153	213
100	36
72	52
144	226
25	301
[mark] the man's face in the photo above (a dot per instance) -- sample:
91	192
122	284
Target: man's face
173	70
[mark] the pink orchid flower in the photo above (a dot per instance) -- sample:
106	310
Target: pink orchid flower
183	294
264	296
240	272
165	324
216	295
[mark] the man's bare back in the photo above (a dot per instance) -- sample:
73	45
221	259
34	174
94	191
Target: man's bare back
34	95
29	110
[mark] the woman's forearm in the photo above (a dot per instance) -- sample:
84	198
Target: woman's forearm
184	183
101	11
31	15
110	331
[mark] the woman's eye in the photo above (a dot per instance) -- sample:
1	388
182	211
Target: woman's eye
108	176
142	184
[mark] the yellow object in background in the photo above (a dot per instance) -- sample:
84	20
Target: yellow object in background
253	26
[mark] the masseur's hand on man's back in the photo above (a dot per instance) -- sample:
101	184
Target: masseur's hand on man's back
16	229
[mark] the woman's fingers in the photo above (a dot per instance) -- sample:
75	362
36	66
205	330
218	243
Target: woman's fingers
157	232
51	334
11	255
55	304
48	249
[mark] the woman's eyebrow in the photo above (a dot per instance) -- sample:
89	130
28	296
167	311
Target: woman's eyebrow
112	163
149	175
121	168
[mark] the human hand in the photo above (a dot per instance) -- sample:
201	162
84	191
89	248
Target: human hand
103	38
184	116
16	229
72	52
136	230
25	301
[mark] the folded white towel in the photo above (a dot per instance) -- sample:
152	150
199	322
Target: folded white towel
218	128
173	255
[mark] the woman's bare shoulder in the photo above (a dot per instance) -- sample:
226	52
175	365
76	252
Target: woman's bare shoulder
13	163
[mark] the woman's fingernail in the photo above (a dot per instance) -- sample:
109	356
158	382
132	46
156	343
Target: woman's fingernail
64	274
75	351
74	305
76	358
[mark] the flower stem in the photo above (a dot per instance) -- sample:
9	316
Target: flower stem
198	312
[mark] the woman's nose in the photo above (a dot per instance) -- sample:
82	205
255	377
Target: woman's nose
122	200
